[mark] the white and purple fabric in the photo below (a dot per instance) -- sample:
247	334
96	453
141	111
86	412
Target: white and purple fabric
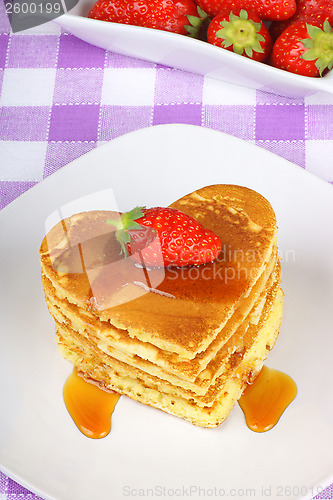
61	97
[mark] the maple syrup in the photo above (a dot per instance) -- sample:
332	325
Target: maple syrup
264	401
89	406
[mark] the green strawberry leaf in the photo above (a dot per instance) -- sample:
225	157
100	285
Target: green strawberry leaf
237	49
194	21
224	24
310	55
308	43
125	223
191	30
249	52
227	43
313	31
257	47
232	17
202	14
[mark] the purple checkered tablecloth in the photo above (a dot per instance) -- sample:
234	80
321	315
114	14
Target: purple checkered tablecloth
60	98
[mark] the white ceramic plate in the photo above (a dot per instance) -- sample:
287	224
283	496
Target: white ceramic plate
188	54
148	450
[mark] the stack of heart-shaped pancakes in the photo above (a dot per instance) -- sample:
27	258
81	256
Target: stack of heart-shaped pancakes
185	340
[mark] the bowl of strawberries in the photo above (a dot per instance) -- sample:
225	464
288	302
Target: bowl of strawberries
279	46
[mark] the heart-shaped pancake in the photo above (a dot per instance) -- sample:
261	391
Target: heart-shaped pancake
190	333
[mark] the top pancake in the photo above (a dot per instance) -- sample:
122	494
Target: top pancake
185	307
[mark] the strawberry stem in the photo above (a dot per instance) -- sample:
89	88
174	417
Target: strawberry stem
125	223
242	33
319	46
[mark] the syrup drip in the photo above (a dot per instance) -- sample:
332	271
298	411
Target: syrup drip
264	401
89	406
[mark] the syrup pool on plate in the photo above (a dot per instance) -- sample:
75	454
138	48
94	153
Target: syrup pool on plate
264	401
89	406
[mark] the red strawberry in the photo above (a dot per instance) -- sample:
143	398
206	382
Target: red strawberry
305	49
266	9
312	11
178	16
241	32
165	237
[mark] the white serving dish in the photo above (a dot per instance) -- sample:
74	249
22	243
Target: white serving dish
148	453
188	54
